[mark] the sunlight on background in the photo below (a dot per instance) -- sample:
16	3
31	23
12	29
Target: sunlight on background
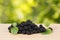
39	11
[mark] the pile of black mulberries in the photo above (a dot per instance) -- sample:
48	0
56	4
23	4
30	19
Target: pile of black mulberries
28	27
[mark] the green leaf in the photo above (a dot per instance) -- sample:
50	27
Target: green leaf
48	31
14	24
14	30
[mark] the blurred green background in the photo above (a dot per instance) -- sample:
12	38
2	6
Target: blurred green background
38	11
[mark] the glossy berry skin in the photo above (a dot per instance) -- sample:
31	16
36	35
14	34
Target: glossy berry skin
28	28
28	21
42	29
9	28
51	28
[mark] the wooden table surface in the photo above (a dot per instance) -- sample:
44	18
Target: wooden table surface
5	35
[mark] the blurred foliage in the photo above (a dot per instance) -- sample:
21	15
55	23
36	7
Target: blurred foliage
39	11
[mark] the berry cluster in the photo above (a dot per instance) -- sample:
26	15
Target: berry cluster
28	28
